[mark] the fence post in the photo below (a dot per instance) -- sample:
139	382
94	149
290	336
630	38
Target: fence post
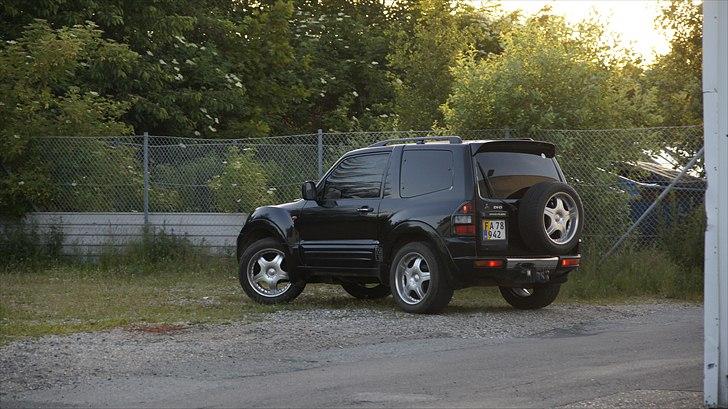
320	152
146	178
657	201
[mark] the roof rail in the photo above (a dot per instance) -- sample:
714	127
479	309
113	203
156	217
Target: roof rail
419	140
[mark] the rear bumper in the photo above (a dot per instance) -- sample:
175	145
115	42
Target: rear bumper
514	271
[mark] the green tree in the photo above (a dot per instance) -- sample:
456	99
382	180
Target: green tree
424	53
343	46
207	68
189	177
549	76
678	74
43	93
422	59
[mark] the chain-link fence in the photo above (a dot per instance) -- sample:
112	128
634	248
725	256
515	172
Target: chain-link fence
618	172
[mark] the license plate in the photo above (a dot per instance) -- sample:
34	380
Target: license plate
494	229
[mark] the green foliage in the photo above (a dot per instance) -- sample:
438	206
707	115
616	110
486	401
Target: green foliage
422	57
24	244
155	250
684	239
189	180
231	69
204	68
624	275
550	76
242	184
343	46
677	75
38	77
428	45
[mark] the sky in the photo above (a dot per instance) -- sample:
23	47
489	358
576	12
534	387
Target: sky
631	20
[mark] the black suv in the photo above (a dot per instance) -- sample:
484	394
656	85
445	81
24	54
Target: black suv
419	220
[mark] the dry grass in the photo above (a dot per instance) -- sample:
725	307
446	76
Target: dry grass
167	296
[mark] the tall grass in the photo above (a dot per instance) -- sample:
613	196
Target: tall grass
160	252
668	266
24	250
634	272
23	244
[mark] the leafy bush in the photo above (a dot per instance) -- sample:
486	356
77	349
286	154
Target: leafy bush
243	183
44	91
20	243
550	75
190	180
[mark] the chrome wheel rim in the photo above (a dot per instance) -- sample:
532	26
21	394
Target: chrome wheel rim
561	218
523	292
266	273
412	278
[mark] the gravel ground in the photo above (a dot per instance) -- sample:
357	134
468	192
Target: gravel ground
56	361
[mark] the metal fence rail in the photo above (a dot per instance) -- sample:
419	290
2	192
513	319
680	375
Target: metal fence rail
618	172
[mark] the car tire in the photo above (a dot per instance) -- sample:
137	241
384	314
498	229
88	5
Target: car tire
531	298
265	273
418	279
362	292
551	218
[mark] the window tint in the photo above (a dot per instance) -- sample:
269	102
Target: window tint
510	174
356	177
388	183
425	171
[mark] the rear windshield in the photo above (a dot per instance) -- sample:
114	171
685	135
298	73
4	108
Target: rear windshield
510	174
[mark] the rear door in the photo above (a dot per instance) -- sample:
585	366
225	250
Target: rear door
340	231
503	177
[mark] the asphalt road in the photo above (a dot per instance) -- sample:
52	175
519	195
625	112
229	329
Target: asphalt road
646	360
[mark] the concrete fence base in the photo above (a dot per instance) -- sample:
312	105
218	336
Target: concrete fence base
89	233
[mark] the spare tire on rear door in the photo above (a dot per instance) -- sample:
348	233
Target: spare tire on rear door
551	217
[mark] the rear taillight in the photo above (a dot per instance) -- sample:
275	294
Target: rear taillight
463	221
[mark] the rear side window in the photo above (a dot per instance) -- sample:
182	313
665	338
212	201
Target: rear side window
510	174
425	171
357	177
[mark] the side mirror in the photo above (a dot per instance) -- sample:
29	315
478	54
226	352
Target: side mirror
308	190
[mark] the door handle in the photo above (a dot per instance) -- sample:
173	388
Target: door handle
365	209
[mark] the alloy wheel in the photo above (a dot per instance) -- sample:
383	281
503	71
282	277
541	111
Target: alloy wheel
266	273
412	278
561	218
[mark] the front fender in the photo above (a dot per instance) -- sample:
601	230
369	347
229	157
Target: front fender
268	221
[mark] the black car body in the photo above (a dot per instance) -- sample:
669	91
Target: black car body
461	199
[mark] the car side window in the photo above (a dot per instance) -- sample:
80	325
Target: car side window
425	171
356	177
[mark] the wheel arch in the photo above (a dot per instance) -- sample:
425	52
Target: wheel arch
254	230
413	231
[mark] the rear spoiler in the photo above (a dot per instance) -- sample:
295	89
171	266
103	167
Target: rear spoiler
515	145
